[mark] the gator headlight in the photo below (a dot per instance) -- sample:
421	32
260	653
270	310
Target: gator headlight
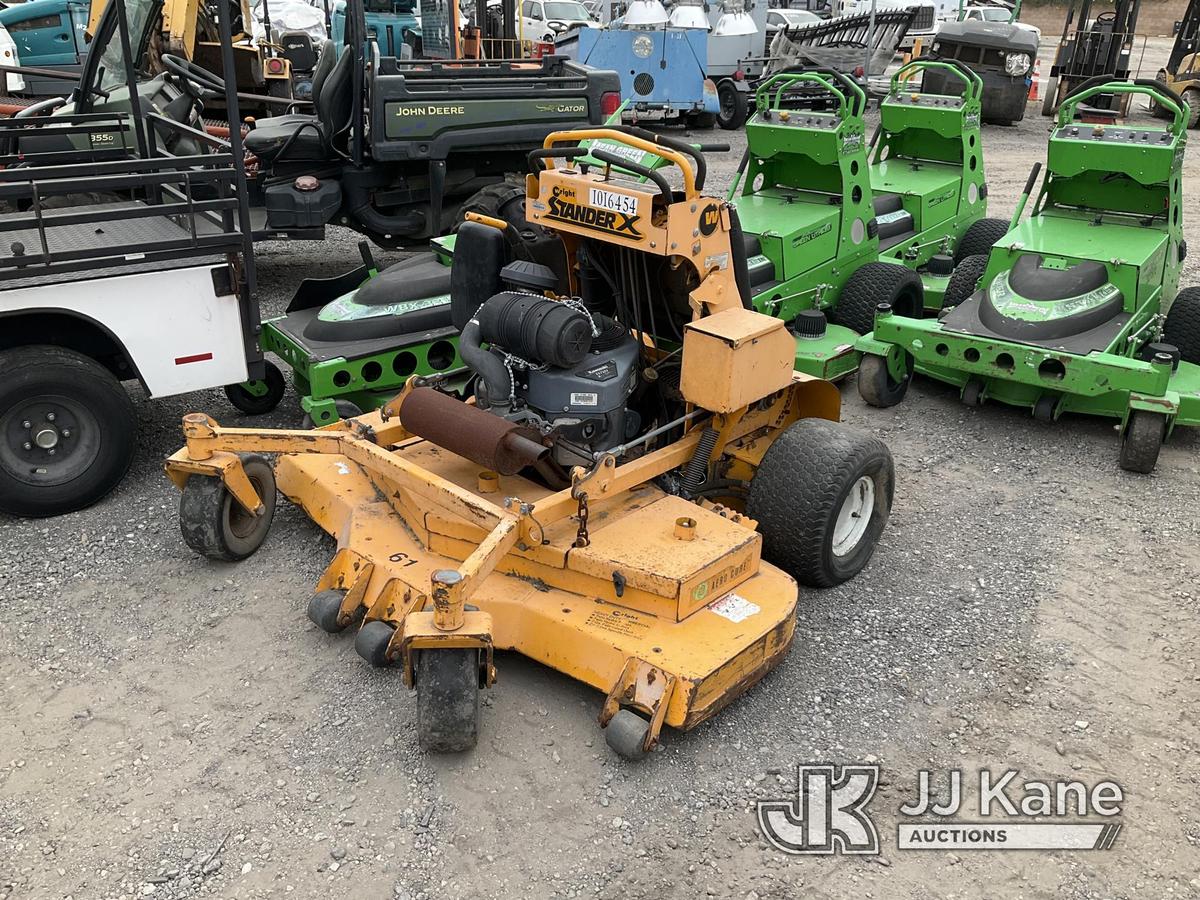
1016	63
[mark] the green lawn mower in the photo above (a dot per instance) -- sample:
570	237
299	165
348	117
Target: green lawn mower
1076	308
835	224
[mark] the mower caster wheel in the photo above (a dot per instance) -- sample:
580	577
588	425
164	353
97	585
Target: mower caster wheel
259	404
1143	440
447	699
1043	409
214	524
346	409
626	735
875	382
324	611
972	392
372	641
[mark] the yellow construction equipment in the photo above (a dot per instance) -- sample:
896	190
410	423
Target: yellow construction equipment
629	498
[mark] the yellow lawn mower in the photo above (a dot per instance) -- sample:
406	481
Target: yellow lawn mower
630	495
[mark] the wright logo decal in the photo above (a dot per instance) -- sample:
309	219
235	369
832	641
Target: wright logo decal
567	209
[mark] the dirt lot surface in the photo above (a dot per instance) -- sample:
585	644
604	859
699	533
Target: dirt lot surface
176	728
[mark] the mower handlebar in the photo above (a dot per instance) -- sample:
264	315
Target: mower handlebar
690	162
851	97
1105	84
646	172
697	154
971	80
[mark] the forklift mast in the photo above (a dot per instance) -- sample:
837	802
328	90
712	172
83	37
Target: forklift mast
1185	38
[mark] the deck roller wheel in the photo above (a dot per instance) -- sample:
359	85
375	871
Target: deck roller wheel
216	525
1142	441
626	735
1044	408
972	392
372	641
325	611
447	699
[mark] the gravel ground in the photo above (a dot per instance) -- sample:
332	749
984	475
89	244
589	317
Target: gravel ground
175	728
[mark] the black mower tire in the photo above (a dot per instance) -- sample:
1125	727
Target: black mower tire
447	699
979	239
1191	101
735	106
504	200
215	525
876	385
1182	327
1142	441
625	735
964	280
254	405
325	610
40	381
804	495
371	642
873	284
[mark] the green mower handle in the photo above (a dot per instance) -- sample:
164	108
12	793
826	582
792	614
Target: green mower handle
850	102
971	80
1104	84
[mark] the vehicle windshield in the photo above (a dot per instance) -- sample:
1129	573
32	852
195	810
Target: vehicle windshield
996	15
568	10
111	73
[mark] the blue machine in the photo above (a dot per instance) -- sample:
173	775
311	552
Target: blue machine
389	22
49	34
662	70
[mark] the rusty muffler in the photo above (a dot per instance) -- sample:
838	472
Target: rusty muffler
470	432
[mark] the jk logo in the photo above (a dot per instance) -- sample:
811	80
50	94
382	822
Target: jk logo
828	814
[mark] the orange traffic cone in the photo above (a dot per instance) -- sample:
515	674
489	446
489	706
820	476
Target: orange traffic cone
1037	76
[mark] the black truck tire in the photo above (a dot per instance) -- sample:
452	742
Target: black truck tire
735	106
68	431
875	283
1182	327
963	280
807	494
979	238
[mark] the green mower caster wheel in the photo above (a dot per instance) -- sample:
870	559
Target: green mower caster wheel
876	384
325	611
972	392
216	525
265	398
372	641
447	700
1142	441
626	735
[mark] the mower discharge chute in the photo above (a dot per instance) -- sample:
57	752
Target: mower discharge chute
630	498
837	224
1076	309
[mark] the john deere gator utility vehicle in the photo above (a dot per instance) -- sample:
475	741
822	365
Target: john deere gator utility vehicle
1076	309
640	483
836	225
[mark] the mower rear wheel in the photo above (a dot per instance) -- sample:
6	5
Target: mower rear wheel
873	284
504	200
372	641
325	610
1142	441
253	404
979	239
216	525
1182	327
447	699
822	496
1191	99
964	280
626	734
875	382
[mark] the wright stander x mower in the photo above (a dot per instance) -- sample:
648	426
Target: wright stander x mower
1075	309
835	226
630	499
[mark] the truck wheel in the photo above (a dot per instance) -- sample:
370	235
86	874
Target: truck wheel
735	106
822	496
964	280
979	238
67	431
266	394
875	382
1191	97
1182	327
873	284
447	700
215	525
1142	441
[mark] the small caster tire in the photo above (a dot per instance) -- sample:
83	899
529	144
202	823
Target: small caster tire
876	385
345	410
216	525
325	611
1142	441
372	641
626	735
972	392
259	404
447	700
1043	409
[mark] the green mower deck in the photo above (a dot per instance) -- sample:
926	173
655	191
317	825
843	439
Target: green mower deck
1077	308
